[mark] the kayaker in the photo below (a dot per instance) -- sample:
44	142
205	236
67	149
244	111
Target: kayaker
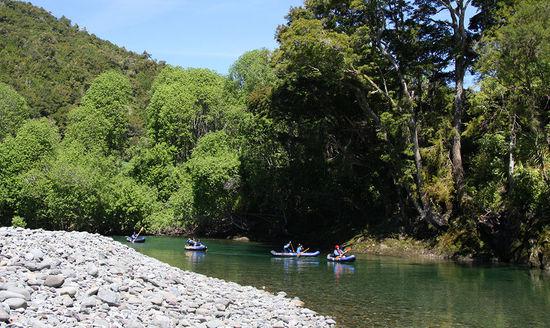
286	248
191	242
134	236
300	248
337	251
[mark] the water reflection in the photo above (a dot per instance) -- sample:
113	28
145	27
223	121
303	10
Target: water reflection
341	269
195	257
292	264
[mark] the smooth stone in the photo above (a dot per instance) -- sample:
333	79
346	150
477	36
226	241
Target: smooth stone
71	291
92	270
133	324
108	296
54	281
15	303
157	300
37	266
92	291
37	253
22	291
101	323
89	302
4	316
297	303
4	294
67	300
278	324
162	321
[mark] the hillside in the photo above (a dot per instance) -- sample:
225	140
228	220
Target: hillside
51	61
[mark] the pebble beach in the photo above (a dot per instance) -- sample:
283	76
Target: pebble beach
78	279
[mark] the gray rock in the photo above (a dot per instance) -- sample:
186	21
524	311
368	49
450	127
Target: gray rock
4	316
89	302
278	324
37	266
92	291
22	291
37	254
70	290
54	281
92	270
67	301
133	324
157	299
4	294
101	323
162	321
108	296
214	323
15	303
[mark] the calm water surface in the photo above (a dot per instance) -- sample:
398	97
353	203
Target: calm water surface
375	291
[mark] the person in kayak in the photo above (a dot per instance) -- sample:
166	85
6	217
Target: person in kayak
300	248
337	251
134	236
287	247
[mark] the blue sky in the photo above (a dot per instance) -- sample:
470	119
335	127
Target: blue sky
188	33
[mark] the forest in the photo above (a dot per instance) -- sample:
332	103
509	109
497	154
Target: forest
381	118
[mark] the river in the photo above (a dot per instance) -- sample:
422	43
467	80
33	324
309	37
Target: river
375	291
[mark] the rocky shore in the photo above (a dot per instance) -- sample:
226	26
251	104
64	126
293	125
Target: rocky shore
78	279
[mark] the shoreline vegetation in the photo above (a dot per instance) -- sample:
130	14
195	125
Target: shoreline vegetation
78	279
360	120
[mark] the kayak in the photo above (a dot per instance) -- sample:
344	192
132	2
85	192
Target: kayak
310	254
139	239
349	258
200	247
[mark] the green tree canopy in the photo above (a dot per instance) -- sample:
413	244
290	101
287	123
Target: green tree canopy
253	70
102	119
187	104
13	110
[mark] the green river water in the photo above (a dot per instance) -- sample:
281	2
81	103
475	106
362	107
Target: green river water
375	291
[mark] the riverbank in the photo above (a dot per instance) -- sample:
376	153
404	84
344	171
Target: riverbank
77	279
404	247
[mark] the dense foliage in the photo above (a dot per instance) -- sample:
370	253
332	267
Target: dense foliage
360	122
51	62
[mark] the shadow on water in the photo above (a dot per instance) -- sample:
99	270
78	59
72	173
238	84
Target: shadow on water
375	291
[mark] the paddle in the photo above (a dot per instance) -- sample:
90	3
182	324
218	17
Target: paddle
134	239
292	248
343	253
302	252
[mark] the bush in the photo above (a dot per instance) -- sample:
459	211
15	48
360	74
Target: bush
18	222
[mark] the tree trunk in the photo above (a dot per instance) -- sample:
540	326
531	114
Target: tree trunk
458	17
511	149
458	170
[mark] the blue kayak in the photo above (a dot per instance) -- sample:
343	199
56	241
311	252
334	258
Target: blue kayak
200	247
311	254
139	239
349	258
